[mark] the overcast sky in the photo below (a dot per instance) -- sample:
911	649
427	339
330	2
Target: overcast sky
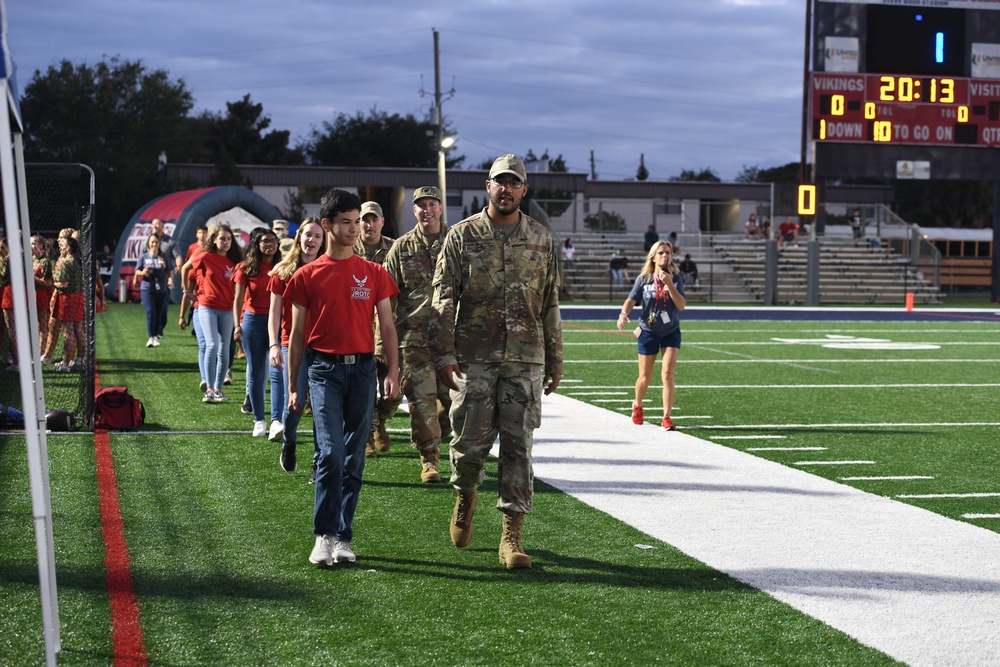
689	83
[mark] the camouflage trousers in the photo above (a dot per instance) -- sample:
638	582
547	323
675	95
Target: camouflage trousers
502	399
385	408
427	398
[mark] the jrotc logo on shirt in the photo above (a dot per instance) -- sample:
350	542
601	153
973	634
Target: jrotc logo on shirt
359	292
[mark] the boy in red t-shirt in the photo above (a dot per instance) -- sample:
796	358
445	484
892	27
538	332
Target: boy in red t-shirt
334	303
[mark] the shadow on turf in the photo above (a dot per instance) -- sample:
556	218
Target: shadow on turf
643	487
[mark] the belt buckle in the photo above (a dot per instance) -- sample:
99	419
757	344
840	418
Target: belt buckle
350	359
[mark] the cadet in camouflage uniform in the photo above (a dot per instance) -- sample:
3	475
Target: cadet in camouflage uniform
497	342
411	263
373	246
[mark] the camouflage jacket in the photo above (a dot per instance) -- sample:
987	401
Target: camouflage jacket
411	262
497	299
378	255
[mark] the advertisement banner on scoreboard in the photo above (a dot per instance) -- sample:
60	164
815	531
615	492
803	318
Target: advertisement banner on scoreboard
986	61
840	54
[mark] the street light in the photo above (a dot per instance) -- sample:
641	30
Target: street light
444	143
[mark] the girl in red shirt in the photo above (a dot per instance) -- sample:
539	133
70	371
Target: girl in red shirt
213	271
253	299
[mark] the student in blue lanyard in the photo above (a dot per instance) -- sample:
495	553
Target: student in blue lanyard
659	290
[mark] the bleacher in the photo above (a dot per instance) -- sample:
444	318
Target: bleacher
847	274
731	270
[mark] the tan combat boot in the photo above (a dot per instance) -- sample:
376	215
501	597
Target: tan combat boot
382	441
461	518
511	552
429	470
370	452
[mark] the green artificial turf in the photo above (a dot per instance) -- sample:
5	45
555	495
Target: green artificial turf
219	535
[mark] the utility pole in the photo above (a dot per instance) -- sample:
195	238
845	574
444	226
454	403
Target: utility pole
593	168
439	138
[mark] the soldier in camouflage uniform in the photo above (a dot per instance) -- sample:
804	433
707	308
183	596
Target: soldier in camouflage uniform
497	342
411	263
374	246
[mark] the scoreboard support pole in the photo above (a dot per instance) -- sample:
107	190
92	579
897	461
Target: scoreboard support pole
995	289
812	270
771	272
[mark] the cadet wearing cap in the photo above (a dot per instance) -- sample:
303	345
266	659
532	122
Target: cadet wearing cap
496	324
373	246
285	243
410	263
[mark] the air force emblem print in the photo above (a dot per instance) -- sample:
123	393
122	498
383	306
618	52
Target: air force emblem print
359	292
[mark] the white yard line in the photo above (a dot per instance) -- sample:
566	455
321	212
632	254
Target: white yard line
887	478
920	587
794	362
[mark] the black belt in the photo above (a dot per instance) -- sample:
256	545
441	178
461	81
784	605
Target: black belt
343	359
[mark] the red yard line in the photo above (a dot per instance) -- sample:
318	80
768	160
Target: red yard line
127	644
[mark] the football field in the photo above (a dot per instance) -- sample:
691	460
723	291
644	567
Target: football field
708	546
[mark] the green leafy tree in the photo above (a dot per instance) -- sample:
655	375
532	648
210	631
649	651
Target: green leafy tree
376	140
786	173
704	174
116	117
642	173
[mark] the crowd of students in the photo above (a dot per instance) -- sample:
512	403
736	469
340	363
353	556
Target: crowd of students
59	300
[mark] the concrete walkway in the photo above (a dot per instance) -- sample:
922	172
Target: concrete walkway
920	587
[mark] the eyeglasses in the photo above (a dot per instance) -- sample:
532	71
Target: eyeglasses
269	241
513	184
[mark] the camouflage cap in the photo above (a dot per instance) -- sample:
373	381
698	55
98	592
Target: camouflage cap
371	207
426	191
279	224
508	164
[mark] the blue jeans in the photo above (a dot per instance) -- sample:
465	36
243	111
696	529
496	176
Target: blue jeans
217	327
259	367
289	419
200	335
617	276
155	304
342	400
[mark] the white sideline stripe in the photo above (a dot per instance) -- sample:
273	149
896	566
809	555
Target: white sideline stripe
846	425
900	385
763	343
981	516
783	449
888	478
988	494
749	437
834	463
692	326
919	586
596	393
794	361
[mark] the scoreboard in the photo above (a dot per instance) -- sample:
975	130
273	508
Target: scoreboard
905	80
905	109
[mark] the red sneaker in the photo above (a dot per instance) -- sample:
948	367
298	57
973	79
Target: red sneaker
668	424
637	414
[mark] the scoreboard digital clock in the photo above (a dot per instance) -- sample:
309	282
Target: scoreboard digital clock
905	109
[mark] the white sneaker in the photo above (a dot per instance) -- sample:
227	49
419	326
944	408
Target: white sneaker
46	361
203	386
62	368
259	428
277	431
149	342
342	552
322	553
156	341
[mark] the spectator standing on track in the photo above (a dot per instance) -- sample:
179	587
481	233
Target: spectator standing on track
157	278
55	326
497	342
660	291
374	246
310	243
69	304
42	269
343	288
410	263
252	298
7	303
213	272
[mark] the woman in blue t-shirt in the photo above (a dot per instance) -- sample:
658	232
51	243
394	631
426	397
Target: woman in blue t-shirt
156	280
660	291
